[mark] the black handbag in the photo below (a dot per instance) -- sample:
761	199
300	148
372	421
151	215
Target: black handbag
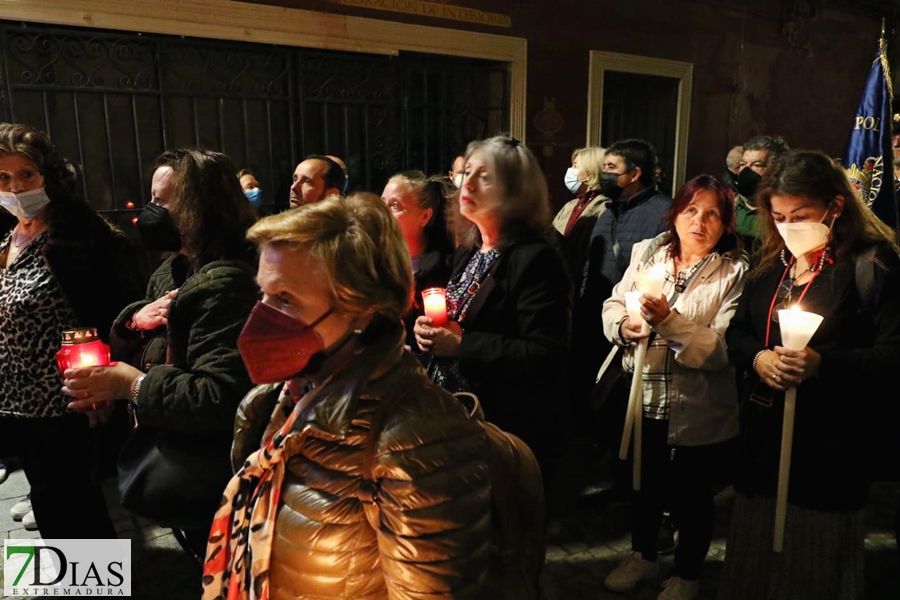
174	479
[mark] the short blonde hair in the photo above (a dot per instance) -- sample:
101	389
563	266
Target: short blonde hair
359	246
590	163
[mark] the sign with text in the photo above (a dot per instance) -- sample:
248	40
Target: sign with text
438	10
67	568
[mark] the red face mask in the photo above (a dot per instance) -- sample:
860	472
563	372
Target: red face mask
276	347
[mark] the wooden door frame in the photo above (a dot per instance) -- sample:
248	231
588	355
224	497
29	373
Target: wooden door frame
263	24
600	62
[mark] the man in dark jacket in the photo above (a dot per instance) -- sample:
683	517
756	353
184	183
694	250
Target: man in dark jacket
634	212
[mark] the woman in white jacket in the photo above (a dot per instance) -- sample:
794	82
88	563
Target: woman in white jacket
690	410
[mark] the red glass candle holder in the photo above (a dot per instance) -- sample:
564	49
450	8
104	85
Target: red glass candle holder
81	348
434	301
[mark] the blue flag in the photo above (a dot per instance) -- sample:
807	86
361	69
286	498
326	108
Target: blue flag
868	158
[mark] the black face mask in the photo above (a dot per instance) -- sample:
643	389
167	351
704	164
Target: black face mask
157	229
748	182
609	186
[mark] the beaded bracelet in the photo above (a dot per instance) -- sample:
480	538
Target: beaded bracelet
756	358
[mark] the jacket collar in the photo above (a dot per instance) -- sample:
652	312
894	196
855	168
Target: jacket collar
635	199
331	407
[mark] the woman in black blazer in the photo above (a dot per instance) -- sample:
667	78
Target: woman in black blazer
509	300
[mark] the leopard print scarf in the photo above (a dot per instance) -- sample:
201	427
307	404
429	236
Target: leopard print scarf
240	541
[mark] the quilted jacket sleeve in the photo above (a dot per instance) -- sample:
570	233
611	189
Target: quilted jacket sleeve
434	503
251	421
206	379
125	344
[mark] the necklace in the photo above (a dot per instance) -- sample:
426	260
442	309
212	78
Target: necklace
816	265
18	244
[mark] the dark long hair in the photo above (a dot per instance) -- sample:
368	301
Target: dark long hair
725	198
813	175
67	208
212	213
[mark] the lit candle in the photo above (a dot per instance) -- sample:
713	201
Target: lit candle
633	306
435	304
651	282
797	328
81	348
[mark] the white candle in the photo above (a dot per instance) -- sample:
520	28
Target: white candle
651	282
797	328
634	413
633	306
435	305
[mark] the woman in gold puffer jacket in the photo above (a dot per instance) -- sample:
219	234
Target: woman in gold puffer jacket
359	478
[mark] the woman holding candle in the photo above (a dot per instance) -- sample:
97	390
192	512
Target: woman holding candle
186	375
417	202
690	410
62	267
827	254
509	300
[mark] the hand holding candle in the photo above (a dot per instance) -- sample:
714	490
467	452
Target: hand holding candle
797	329
649	283
81	348
435	305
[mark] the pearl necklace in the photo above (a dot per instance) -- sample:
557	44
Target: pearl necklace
815	266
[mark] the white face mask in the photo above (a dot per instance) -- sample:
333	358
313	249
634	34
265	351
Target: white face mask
457	180
571	180
800	238
25	205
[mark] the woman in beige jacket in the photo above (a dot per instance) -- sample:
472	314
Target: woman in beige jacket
689	410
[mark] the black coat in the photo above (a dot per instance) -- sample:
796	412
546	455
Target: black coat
846	415
516	339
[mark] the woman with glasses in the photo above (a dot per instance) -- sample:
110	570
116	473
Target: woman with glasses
690	410
826	253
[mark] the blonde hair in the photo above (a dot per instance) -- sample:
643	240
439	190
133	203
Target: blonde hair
359	246
590	163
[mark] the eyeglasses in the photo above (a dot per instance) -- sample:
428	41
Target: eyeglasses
783	300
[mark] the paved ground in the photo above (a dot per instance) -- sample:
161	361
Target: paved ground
587	543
